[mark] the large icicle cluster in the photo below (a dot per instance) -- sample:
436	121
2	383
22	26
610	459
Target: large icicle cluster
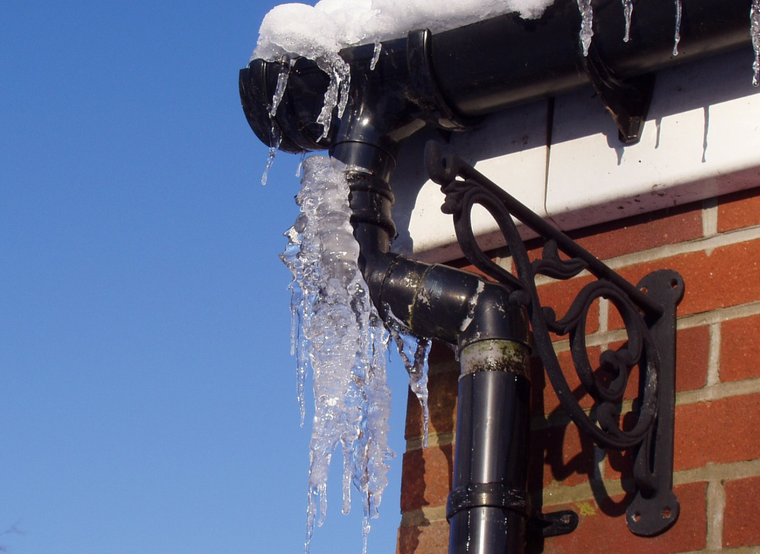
339	335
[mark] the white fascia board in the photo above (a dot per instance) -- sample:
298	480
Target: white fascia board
509	148
701	139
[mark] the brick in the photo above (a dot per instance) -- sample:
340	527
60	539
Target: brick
708	432
692	354
550	400
739	210
566	455
719	432
728	276
740	526
559	295
430	538
602	527
739	347
426	478
643	232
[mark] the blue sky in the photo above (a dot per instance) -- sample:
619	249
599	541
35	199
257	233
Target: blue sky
147	394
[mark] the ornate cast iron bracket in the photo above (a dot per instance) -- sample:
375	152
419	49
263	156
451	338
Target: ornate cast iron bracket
648	311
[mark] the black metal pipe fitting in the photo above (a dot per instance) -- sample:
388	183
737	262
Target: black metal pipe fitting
488	506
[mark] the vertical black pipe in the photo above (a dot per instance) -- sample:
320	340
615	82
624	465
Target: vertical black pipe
488	505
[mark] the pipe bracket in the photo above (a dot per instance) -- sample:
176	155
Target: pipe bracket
627	101
486	495
648	312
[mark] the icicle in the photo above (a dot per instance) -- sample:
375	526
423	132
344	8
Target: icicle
290	257
376	54
628	13
754	15
275	140
677	37
299	169
336	94
365	533
342	339
286	64
414	353
587	24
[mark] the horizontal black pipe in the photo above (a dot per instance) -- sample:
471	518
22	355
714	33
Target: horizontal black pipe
504	61
448	79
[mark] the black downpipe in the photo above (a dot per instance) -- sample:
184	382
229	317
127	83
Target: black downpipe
448	81
488	506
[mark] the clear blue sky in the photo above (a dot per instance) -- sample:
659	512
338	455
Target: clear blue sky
147	394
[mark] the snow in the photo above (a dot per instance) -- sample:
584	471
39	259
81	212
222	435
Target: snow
320	31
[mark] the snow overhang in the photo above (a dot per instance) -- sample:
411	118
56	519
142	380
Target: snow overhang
562	157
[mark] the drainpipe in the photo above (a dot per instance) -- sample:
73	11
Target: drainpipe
448	81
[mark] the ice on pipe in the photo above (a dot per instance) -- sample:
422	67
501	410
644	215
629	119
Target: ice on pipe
339	336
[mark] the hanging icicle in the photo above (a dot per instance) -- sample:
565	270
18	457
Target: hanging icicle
341	338
587	23
275	140
677	37
628	13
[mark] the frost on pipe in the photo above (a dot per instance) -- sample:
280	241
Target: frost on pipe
339	335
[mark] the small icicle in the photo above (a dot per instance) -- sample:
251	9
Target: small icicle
276	140
366	527
418	382
414	353
336	93
677	37
587	24
290	257
754	16
286	64
376	54
316	511
299	169
627	12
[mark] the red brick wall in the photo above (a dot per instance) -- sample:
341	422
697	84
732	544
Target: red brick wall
715	245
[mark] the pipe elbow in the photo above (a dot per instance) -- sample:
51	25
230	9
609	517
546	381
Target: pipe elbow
447	304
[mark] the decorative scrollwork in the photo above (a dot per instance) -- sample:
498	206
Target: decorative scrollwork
648	318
